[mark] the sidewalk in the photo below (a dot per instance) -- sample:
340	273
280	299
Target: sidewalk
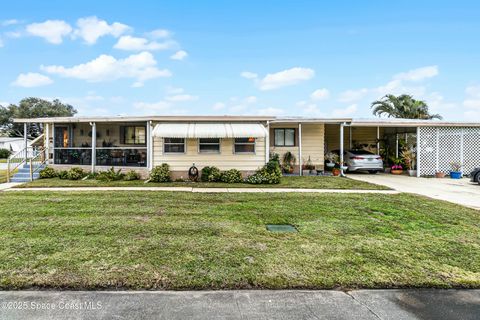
248	304
202	190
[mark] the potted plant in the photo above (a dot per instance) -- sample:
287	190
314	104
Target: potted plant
331	158
308	167
409	158
343	166
456	171
288	162
336	171
397	167
439	174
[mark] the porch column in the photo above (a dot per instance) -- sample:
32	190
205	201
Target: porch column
267	143
94	145
300	148
46	141
149	146
378	140
341	147
25	140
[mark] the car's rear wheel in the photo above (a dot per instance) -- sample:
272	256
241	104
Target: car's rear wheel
478	178
372	171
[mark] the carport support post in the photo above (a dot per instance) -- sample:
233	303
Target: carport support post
418	152
300	148
396	145
149	146
341	147
378	140
94	145
46	140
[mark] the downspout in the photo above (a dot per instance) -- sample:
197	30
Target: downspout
149	146
342	125
46	143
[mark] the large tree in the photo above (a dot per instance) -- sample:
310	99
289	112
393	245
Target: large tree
403	106
31	108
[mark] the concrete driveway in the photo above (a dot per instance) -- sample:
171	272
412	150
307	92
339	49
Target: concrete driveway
460	191
248	304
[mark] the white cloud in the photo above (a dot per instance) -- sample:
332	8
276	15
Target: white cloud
312	110
179	55
270	111
285	78
130	43
159	34
473	91
250	99
174	90
218	106
353	95
10	22
181	98
91	28
4	103
248	75
141	67
30	80
52	31
346	112
320	94
155	106
418	74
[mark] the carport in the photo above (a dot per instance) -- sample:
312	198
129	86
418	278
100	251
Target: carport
436	143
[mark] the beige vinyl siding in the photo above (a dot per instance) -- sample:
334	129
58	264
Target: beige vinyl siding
360	135
312	142
224	160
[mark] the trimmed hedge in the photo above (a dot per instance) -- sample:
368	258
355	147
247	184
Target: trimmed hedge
210	174
231	176
268	174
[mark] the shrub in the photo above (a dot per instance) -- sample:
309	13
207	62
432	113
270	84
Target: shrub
75	173
4	153
110	175
131	175
210	174
160	173
231	176
268	174
48	173
63	174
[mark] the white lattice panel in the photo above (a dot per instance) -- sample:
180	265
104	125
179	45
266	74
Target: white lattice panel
439	146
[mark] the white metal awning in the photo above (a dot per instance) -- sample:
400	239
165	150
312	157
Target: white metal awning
209	130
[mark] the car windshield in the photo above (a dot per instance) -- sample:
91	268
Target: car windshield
360	152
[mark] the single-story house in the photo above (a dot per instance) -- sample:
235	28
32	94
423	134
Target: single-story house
246	142
13	144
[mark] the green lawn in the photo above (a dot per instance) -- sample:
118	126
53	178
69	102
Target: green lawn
312	182
3	176
165	240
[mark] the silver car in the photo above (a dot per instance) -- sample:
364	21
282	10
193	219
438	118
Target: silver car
362	160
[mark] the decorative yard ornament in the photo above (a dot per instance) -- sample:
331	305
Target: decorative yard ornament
193	173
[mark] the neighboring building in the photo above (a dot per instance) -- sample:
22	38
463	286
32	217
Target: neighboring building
246	142
14	144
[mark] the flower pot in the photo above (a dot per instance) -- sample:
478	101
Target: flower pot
456	174
336	171
305	172
396	171
344	168
439	175
412	173
330	164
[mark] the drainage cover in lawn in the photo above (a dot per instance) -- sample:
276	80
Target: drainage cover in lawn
281	228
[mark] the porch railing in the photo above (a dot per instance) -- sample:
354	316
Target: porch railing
36	162
22	157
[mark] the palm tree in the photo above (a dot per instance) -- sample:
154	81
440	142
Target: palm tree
403	106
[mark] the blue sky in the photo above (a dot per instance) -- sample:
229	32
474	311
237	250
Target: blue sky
301	58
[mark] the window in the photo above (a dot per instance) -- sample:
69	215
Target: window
174	145
245	145
134	135
209	145
284	137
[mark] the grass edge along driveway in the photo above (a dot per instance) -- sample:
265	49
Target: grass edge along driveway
166	240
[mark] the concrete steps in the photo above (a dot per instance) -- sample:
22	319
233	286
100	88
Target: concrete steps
23	173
